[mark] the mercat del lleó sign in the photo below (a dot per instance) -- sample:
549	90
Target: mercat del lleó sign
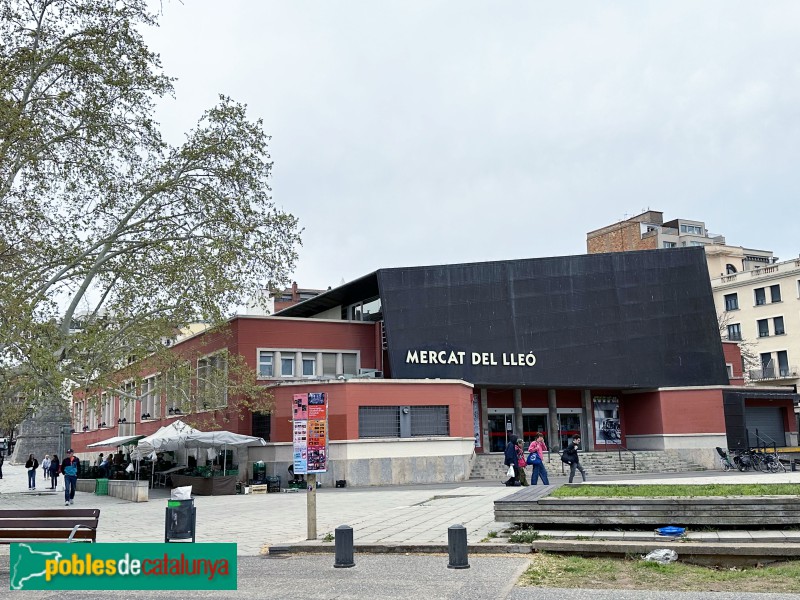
454	357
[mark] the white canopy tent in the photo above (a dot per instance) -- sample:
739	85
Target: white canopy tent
120	440
169	438
222	439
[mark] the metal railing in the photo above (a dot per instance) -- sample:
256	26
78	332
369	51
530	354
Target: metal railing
620	448
773	373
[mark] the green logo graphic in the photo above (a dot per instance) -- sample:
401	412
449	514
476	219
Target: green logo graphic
123	567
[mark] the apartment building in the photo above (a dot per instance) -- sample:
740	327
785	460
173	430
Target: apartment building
762	308
649	231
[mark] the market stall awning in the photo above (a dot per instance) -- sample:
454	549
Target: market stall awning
216	439
120	440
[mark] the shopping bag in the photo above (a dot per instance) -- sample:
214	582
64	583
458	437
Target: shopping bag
510	472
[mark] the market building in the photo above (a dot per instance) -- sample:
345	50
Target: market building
425	366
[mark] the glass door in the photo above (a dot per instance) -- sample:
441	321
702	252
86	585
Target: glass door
568	425
501	426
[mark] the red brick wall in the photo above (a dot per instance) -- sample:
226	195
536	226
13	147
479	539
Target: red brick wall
673	412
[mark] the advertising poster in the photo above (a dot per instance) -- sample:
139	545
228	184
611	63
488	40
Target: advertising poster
317	459
606	420
310	433
300	438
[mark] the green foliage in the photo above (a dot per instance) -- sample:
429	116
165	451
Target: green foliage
110	238
664	490
523	536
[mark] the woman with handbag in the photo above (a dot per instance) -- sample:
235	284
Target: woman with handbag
536	458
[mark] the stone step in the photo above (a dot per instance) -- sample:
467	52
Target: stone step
490	466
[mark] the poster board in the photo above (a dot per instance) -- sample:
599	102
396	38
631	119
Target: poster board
310	433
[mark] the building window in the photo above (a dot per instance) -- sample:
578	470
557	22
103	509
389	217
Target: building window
783	364
692	229
775	292
730	269
178	389
777	323
287	367
368	310
735	332
266	367
212	381
728	366
328	364
309	365
694	243
378	421
429	421
262	425
670	244
349	364
761	297
151	405
732	301
763	328
767	368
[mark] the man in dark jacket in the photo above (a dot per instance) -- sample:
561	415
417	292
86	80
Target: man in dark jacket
570	456
511	460
70	468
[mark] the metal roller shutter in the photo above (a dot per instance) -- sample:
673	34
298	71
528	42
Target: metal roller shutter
768	421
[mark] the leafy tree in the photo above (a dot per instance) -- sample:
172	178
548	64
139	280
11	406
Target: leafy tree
110	238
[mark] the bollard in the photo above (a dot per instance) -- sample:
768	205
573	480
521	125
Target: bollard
794	465
344	547
457	547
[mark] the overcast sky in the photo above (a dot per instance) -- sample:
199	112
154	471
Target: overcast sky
411	133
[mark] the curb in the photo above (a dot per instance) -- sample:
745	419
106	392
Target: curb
330	548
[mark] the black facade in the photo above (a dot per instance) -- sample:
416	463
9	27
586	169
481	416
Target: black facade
620	321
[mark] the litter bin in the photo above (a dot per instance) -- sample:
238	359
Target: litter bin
101	487
180	521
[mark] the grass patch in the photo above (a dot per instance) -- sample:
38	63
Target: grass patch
550	570
661	490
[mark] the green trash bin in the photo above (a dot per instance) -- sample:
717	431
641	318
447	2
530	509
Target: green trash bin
101	487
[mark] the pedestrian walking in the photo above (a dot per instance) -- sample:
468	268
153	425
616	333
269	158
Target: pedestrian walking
539	447
2	458
511	461
55	469
523	476
32	464
70	468
570	456
46	467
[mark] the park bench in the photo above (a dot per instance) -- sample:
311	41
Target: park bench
49	525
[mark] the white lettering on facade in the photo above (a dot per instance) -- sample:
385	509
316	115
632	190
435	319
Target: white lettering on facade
484	359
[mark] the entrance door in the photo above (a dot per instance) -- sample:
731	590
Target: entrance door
568	425
501	426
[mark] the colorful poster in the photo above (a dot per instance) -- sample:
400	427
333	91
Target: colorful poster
606	420
310	418
300	455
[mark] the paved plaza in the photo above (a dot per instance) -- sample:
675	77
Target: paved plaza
388	515
382	515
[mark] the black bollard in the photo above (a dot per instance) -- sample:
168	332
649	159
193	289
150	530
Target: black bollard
344	547
457	547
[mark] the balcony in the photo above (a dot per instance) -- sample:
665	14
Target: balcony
777	269
773	373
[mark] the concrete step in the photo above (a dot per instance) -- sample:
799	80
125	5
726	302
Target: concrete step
490	466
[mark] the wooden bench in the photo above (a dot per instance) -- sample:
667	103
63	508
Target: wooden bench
49	525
